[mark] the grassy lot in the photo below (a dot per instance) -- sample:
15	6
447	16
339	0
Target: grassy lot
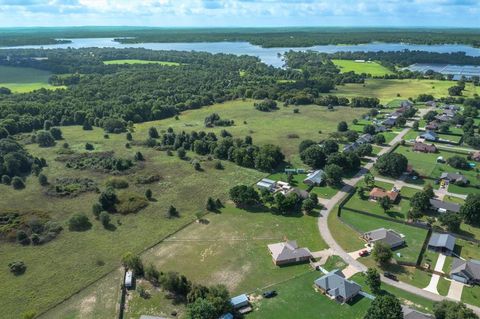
414	237
345	236
335	262
135	61
74	259
471	295
373	68
443	286
303	301
386	90
324	191
450	137
21	80
264	127
419	303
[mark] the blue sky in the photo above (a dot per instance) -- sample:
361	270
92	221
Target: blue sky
247	13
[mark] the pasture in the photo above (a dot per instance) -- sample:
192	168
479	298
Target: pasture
370	67
387	90
22	80
135	61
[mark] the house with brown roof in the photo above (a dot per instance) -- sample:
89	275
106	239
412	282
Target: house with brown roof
432	126
288	253
424	148
376	193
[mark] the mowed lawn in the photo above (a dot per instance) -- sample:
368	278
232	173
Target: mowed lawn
324	191
298	299
274	127
370	67
386	90
135	61
75	259
21	80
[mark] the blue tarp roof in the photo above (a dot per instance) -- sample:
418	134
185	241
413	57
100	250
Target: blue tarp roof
239	299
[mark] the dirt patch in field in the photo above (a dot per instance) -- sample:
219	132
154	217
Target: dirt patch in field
231	277
87	305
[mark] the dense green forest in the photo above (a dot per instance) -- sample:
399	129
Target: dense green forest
265	37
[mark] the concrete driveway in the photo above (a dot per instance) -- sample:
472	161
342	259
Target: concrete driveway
455	291
432	286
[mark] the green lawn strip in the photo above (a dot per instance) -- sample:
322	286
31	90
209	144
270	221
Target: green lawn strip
453	199
344	235
367	67
412	300
376	150
414	237
297	299
443	286
389	136
408	192
471	295
334	262
450	137
136	61
467	249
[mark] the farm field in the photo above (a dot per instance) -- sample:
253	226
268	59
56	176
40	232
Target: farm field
281	127
21	80
75	259
302	299
136	61
386	90
373	68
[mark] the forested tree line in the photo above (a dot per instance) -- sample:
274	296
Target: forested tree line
265	37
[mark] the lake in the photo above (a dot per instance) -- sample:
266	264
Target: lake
271	56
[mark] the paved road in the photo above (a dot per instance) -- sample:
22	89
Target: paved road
331	242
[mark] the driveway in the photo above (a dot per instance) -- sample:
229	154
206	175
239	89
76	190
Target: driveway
432	286
455	291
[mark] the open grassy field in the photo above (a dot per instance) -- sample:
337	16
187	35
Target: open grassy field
373	68
297	297
386	90
135	61
281	127
21	80
74	259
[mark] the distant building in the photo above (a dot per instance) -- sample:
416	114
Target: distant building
476	156
432	126
443	243
389	122
315	178
337	287
387	236
129	279
454	177
351	147
376	193
380	128
443	207
442	118
424	148
429	136
288	253
409	313
466	271
365	138
267	184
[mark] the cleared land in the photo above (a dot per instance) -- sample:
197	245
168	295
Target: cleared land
21	80
386	90
373	68
134	61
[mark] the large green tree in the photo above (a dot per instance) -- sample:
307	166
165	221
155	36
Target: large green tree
385	307
471	209
391	164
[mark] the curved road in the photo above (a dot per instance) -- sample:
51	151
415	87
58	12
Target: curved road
338	250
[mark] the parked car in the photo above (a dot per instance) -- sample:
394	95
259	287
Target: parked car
390	275
363	253
269	294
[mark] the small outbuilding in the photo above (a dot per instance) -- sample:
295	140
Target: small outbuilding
266	183
240	301
444	243
315	178
129	279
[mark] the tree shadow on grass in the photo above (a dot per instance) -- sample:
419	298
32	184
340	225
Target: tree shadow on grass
394	214
355	300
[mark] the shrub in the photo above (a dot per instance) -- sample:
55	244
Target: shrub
22	237
44	139
97	209
43	180
181	153
139	156
6	180
117	183
89	147
17	267
104	218
129	136
172	212
56	133
197	166
148	194
218	165
17	183
79	222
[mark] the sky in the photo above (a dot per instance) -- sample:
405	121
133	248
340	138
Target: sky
241	13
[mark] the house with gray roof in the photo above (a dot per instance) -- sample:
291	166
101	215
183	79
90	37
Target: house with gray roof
365	138
389	122
409	313
387	236
443	207
444	243
337	287
466	271
315	178
288	253
351	147
442	118
454	178
266	183
429	136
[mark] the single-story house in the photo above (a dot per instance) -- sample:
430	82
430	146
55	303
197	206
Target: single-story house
315	178
151	317
409	313
443	207
429	136
444	243
449	112
365	138
380	128
466	271
266	183
377	193
129	279
425	148
389	122
240	301
337	287
476	156
387	236
451	107
288	253
432	126
454	177
351	147
431	103
442	118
